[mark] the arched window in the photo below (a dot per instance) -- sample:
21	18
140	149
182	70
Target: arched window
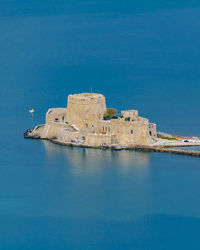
131	131
103	128
109	129
86	125
92	126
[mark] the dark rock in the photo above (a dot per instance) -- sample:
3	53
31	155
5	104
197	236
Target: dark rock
28	132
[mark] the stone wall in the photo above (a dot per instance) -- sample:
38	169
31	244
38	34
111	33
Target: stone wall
53	129
56	114
126	132
152	130
61	132
83	117
69	137
97	140
84	109
134	133
132	114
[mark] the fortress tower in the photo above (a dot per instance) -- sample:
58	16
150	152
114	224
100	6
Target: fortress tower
85	110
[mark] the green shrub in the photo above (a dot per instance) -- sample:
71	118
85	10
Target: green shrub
109	113
170	139
127	119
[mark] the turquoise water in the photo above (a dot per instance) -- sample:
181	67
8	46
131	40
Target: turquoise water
140	54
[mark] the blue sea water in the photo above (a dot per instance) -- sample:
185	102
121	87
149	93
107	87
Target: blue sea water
141	55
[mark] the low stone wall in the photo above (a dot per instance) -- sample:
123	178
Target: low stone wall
68	137
56	114
53	129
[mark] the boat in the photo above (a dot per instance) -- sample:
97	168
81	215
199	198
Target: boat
31	110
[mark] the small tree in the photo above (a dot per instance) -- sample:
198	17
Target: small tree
127	119
109	113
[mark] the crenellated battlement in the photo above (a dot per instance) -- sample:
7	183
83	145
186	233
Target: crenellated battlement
86	99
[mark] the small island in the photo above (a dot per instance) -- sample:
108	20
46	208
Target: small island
87	122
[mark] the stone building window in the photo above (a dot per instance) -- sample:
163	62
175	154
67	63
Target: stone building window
103	128
86	125
92	126
109	129
131	131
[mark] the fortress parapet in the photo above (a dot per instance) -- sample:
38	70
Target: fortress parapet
132	114
56	115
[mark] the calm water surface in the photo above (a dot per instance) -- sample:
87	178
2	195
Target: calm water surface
140	54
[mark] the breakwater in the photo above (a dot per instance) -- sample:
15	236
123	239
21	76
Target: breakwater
170	151
139	148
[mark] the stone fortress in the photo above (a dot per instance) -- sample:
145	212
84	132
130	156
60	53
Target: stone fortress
82	123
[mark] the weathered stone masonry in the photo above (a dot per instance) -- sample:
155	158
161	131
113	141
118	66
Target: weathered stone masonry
82	123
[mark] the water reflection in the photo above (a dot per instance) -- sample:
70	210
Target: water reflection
97	183
92	159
